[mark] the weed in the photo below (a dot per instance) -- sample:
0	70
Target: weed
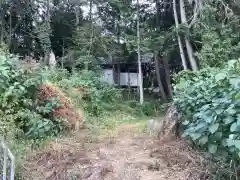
209	99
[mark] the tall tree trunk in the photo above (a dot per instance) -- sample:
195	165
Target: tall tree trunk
10	30
2	22
140	80
201	4
167	76
118	26
46	41
90	10
91	38
184	62
51	56
160	85
2	33
158	13
42	37
118	41
188	44
77	11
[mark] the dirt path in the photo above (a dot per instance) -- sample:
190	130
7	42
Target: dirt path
127	156
130	160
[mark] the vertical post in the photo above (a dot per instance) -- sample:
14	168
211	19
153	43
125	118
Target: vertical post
167	75
129	88
118	74
7	154
12	167
139	56
159	79
4	161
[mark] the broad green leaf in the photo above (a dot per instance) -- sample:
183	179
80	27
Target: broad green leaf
213	128
231	136
181	84
235	82
237	144
231	63
22	88
203	140
209	119
3	69
231	111
2	60
237	96
185	123
224	143
201	125
233	127
219	111
218	136
220	76
232	149
230	142
238	121
205	107
195	136
212	148
228	120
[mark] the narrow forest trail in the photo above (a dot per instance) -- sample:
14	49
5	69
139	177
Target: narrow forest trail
128	155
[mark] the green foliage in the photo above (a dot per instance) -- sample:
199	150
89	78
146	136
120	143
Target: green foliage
146	109
100	95
216	50
89	45
40	124
36	126
55	75
19	110
210	102
218	29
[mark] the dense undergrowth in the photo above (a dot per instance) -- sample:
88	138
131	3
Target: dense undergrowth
97	97
103	104
27	121
20	114
210	102
23	115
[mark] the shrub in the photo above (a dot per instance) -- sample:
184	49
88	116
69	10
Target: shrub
210	102
18	109
36	126
99	95
147	109
216	50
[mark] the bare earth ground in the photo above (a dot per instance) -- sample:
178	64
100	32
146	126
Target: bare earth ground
126	155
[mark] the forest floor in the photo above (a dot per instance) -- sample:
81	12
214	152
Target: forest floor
127	153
